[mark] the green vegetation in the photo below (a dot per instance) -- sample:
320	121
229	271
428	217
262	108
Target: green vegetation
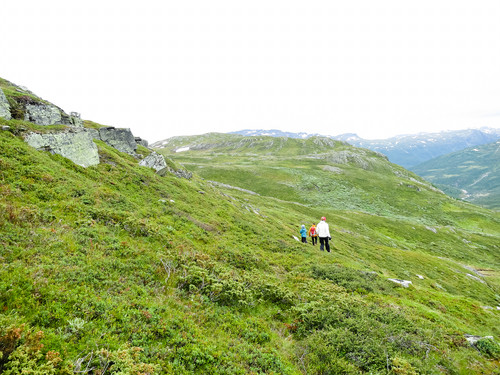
119	270
472	174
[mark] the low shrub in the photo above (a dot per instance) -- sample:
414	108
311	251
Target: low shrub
353	280
489	348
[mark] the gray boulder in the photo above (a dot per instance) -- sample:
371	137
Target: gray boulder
45	114
4	106
155	161
122	139
141	142
76	145
75	119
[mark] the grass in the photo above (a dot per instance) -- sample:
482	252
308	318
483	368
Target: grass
117	268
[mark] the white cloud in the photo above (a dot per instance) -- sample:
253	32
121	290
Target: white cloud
173	68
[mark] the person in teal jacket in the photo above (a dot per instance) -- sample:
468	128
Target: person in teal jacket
303	233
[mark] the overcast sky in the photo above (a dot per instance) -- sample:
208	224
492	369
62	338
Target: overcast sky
165	68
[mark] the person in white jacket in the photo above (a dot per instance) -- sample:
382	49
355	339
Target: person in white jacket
323	231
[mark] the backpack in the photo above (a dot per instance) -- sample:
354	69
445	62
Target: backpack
312	231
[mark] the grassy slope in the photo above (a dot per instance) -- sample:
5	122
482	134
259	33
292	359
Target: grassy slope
98	262
474	169
376	202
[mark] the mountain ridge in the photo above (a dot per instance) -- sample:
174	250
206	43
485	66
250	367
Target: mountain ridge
472	174
407	150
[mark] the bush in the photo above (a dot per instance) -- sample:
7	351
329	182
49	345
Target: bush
364	334
489	348
353	280
21	352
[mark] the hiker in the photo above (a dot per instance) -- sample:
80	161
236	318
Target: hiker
303	233
324	234
313	234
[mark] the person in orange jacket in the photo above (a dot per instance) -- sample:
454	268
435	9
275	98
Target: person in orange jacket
313	234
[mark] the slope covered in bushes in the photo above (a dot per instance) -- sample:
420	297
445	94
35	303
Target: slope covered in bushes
115	269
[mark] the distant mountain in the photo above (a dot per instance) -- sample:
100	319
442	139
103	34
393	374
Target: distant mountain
414	149
406	150
472	174
272	133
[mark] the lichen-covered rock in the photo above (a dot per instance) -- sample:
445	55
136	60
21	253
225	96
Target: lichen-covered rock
181	173
120	138
78	146
141	142
4	106
155	161
76	119
43	114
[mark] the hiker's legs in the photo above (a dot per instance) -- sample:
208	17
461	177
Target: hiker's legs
314	240
304	239
327	244
322	243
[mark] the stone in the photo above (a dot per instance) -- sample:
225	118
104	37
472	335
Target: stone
77	146
141	142
181	173
94	133
420	277
155	161
76	119
4	106
405	283
5	127
120	138
43	114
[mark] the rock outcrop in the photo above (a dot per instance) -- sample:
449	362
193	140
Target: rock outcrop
141	142
44	114
76	119
159	164
120	138
4	106
76	145
155	161
76	142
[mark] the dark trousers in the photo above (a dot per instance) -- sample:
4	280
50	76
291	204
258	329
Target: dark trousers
322	242
304	239
314	240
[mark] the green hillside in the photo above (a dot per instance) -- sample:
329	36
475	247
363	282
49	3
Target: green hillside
472	174
114	269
